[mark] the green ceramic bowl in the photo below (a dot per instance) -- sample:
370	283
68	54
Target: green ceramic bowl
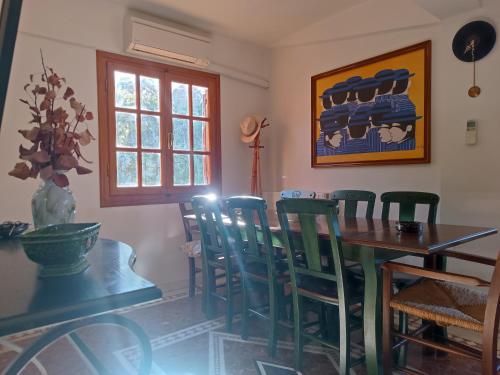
61	249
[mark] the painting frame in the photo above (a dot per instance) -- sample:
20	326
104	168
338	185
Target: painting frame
421	153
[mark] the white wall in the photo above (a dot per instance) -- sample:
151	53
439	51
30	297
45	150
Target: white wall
466	177
69	32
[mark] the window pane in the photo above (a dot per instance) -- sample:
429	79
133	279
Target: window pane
150	131
126	169
151	169
181	134
200	136
180	101
201	169
200	101
150	94
126	129
182	170
124	90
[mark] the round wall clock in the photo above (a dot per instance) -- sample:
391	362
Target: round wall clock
471	43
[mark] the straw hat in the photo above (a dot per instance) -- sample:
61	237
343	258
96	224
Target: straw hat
250	128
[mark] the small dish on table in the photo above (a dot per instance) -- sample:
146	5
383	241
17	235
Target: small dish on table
409	226
11	229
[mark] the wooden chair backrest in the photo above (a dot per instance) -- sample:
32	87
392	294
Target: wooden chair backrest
253	238
351	199
303	245
190	227
408	201
214	234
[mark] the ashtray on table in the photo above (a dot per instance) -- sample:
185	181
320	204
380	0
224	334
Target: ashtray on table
409	226
11	229
61	249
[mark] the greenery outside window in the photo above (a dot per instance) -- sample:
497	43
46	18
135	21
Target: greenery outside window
159	131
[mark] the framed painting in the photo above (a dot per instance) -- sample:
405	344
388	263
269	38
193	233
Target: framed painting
376	111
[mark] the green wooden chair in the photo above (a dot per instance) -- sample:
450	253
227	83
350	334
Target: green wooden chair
311	279
259	264
408	201
217	254
351	198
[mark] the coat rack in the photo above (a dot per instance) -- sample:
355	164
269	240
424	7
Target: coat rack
251	129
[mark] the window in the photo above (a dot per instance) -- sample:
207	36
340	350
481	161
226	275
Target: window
159	131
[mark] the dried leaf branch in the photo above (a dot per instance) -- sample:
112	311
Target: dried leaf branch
55	142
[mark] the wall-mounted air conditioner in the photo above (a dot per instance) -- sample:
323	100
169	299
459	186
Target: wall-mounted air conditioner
167	41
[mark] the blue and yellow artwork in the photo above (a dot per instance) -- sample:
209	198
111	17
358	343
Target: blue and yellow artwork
374	112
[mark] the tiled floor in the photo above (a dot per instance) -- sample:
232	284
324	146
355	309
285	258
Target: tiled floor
185	343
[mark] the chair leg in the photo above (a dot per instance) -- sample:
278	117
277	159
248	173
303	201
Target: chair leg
402	353
273	321
192	276
333	323
229	302
244	307
387	324
297	330
490	347
344	340
283	312
323	320
209	288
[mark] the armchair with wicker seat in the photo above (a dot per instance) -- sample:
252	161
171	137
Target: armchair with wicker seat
446	299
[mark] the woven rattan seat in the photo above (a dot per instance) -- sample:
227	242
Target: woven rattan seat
443	298
445	303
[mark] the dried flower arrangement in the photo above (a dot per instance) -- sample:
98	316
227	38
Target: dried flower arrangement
56	138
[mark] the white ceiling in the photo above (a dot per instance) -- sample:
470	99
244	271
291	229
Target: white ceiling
262	22
273	22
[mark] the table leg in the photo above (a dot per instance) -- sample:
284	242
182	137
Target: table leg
372	313
87	353
68	328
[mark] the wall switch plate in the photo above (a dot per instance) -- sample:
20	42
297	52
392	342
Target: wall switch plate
471	132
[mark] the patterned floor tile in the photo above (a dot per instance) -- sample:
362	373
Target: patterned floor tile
185	343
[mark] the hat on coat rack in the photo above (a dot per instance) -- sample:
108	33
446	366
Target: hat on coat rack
250	128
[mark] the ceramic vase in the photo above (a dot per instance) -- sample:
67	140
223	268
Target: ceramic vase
52	204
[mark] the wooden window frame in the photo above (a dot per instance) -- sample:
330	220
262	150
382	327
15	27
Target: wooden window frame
112	196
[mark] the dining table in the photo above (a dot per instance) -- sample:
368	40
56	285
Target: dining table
371	242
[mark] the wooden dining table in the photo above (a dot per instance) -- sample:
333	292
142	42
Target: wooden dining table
372	242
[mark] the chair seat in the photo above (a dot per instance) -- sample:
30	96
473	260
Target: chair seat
192	248
444	303
326	290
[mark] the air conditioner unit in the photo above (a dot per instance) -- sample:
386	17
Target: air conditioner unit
167	41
